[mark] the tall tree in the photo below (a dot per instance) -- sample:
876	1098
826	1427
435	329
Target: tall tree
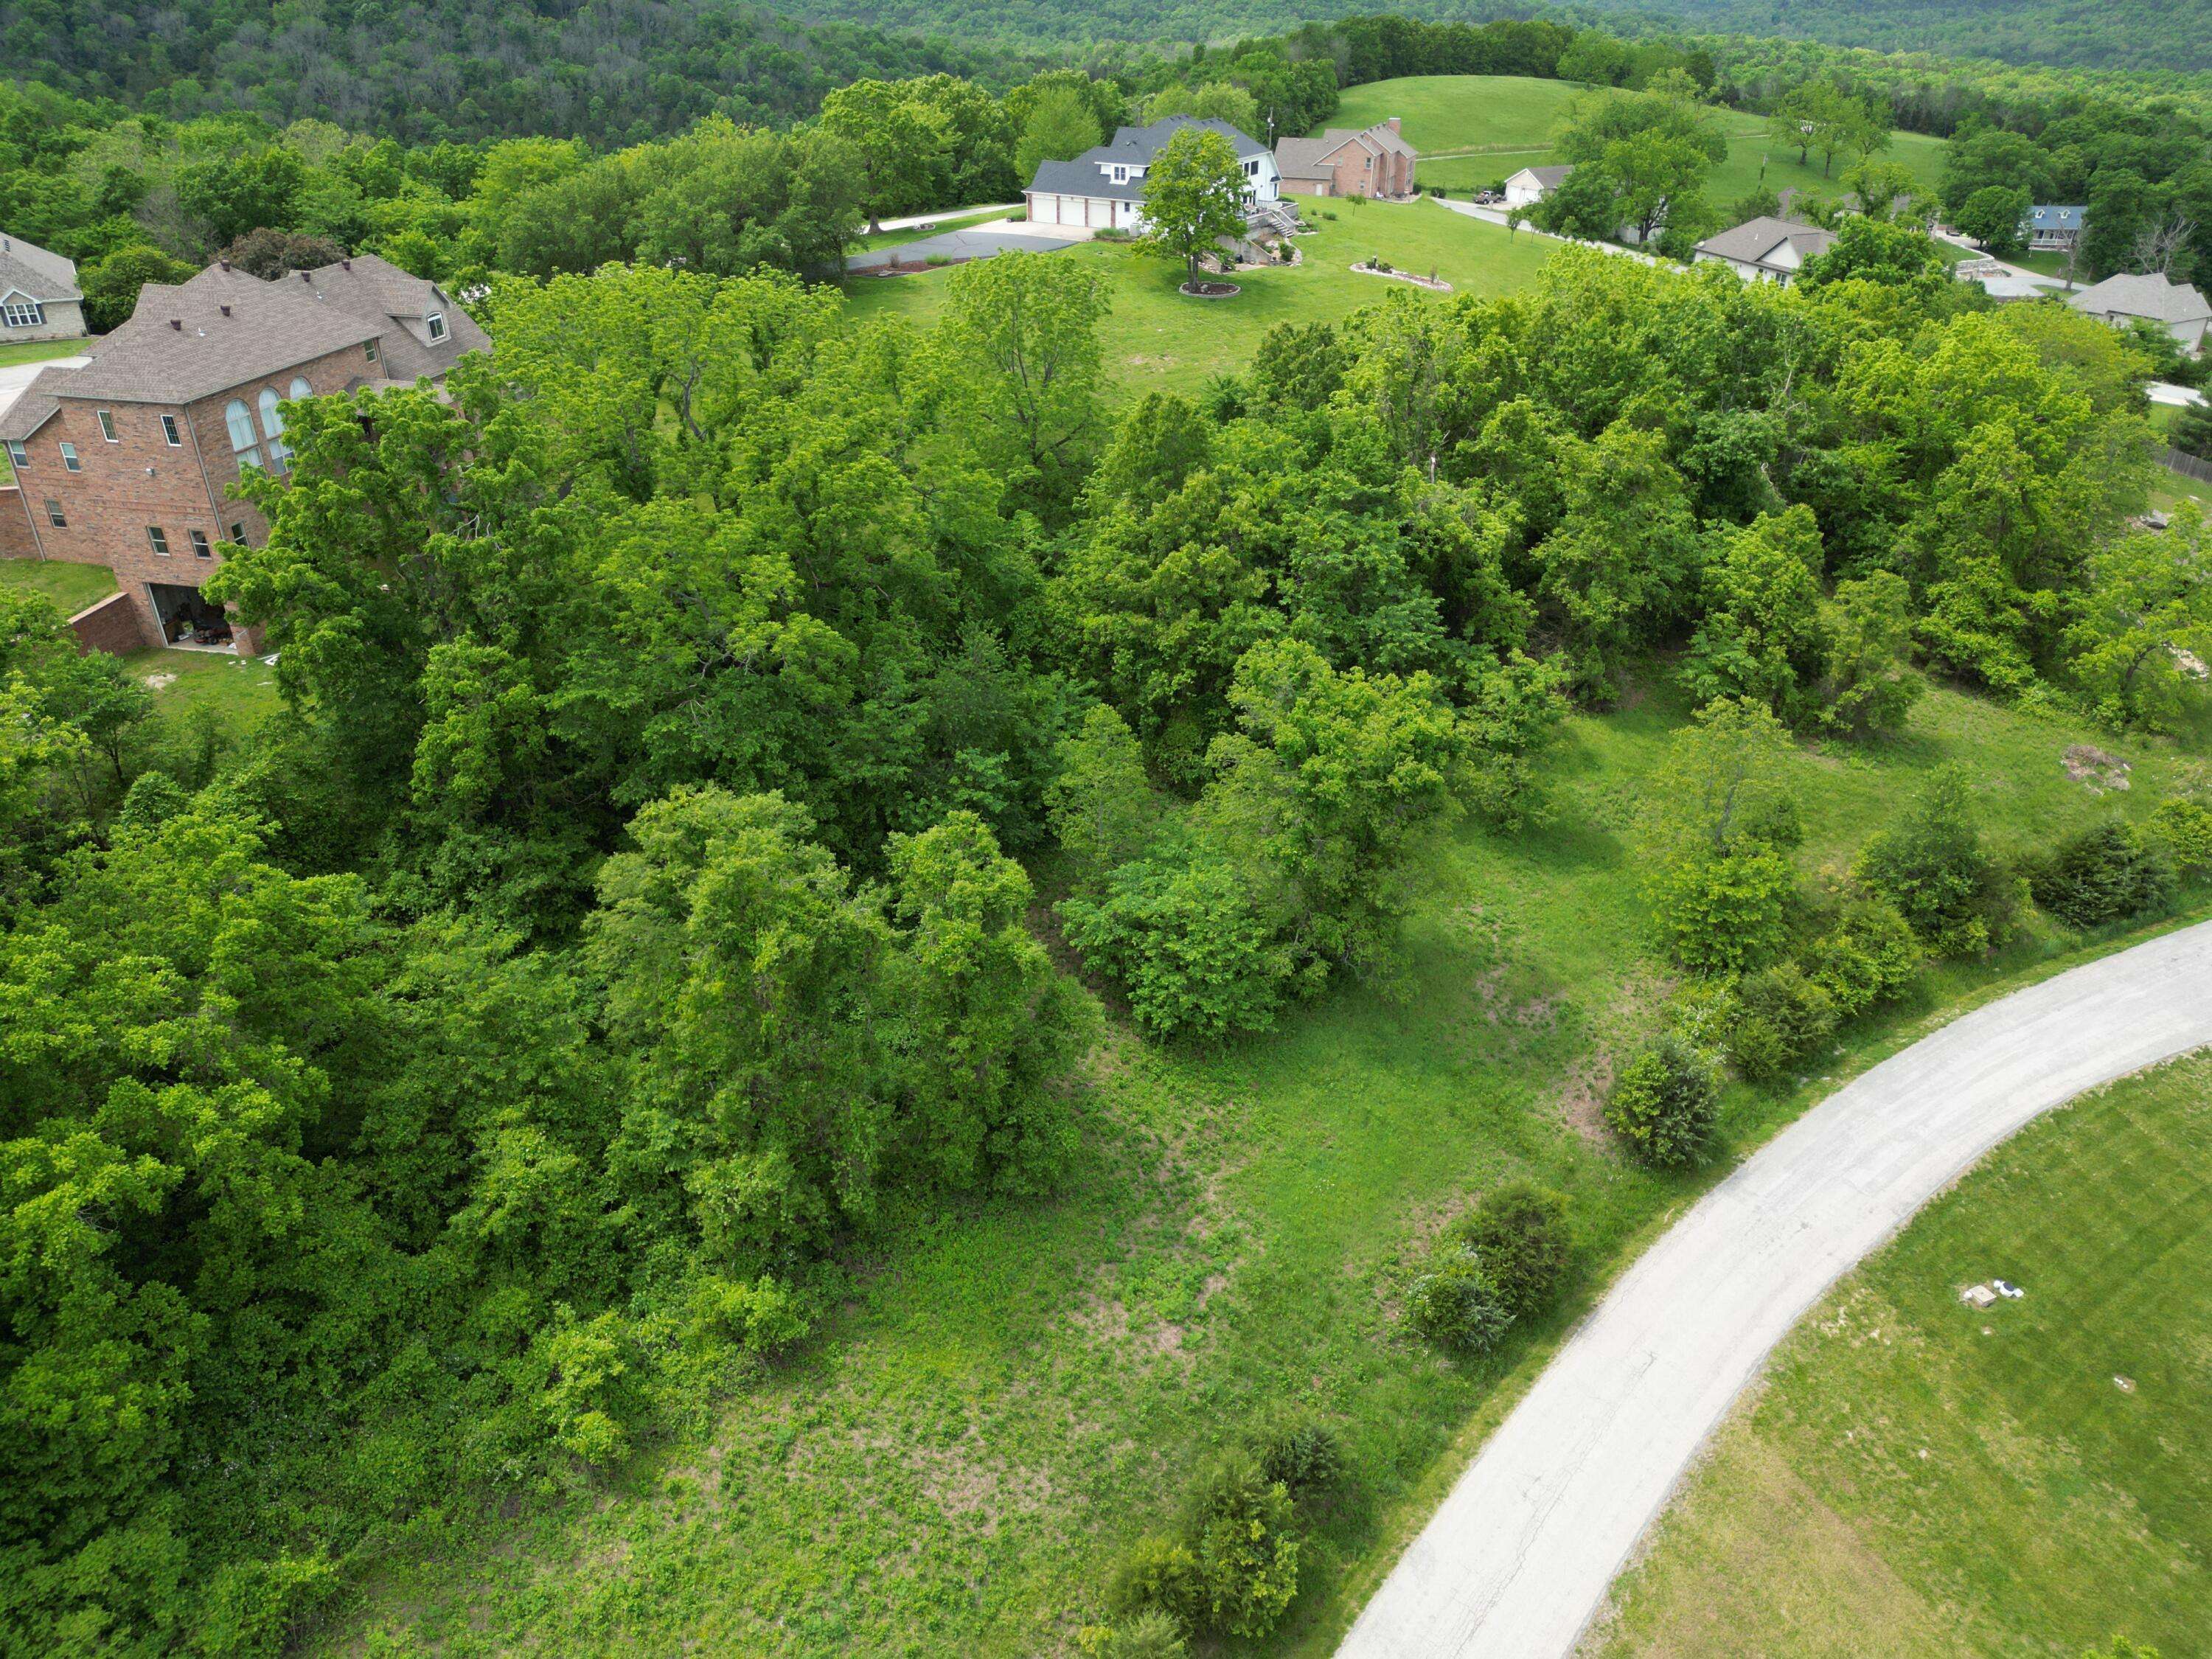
1195	196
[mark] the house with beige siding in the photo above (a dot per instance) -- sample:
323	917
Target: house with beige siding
39	299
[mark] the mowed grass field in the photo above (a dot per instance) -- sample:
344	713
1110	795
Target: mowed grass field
1159	338
1010	1396
1919	1478
69	588
1513	121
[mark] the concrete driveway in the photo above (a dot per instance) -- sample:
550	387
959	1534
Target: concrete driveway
13	377
1519	1556
1496	217
976	244
2164	392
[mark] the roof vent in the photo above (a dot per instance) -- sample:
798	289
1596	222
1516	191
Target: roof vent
226	311
305	277
348	263
225	263
178	324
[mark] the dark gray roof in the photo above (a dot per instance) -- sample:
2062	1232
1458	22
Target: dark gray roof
1752	241
2154	296
1079	178
1142	143
217	329
1301	158
26	267
34	406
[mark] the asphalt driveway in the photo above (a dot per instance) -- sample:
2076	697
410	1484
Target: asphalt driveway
1519	1557
955	245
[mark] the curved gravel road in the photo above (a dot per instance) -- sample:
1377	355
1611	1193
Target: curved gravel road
1519	1559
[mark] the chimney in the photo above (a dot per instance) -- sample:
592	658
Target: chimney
178	324
1393	123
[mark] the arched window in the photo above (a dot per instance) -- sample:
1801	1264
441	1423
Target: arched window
300	388
272	427
240	420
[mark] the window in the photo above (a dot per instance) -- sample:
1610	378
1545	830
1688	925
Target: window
69	459
239	420
54	514
238	533
25	313
368	347
17	454
108	426
435	322
200	548
272	428
300	388
169	431
158	539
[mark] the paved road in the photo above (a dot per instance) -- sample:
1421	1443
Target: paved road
13	377
1496	217
914	219
1519	1557
2162	392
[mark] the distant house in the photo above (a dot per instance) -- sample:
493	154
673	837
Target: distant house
1377	161
1764	249
2052	229
132	460
2177	307
1104	188
39	299
1532	185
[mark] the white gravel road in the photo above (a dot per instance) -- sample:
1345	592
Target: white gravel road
1519	1559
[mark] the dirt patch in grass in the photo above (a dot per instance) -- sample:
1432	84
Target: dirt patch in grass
2095	770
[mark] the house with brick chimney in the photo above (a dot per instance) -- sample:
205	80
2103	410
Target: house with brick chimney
132	460
1377	161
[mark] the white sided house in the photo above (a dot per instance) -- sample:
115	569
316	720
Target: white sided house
1532	185
2177	307
1765	249
39	299
1104	188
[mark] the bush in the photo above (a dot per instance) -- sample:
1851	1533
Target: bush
1664	1103
1781	1016
1179	935
1518	1232
1243	1537
2182	828
1159	1574
2106	874
1868	955
1957	896
1299	1451
1150	1633
1454	1305
1722	913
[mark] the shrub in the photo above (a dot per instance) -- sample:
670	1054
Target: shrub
1299	1451
1454	1305
1179	935
1664	1102
2181	827
1149	1633
1244	1540
1518	1232
1160	1573
1781	1016
1958	895
1722	913
1868	955
2105	874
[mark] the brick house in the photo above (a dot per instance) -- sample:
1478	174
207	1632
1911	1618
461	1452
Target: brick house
131	460
39	299
1341	162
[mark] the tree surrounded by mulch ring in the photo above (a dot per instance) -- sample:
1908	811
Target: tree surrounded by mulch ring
1204	290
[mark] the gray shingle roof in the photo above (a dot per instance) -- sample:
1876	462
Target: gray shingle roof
1301	158
220	328
1549	178
2054	217
1079	178
2155	297
377	291
1752	241
1132	147
34	406
26	267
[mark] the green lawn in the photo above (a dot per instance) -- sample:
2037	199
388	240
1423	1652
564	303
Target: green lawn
1512	119
240	690
1917	1478
1010	1395
37	352
1158	338
70	586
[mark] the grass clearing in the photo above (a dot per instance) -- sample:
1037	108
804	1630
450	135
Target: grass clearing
37	351
69	586
240	691
1009	1395
1512	120
1159	339
1918	1477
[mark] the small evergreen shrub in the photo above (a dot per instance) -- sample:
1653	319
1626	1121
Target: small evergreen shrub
1781	1016
1931	865
1454	1305
1231	1564
1518	1232
1664	1103
1149	1633
1299	1451
2108	873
